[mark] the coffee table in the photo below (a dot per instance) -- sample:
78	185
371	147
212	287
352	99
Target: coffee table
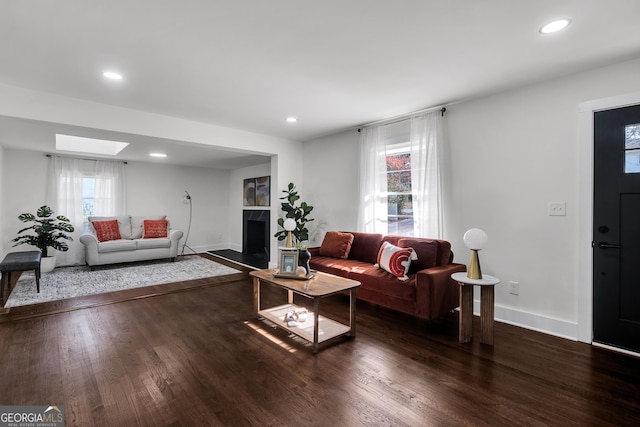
315	329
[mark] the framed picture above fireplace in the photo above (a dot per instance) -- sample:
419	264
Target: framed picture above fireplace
257	191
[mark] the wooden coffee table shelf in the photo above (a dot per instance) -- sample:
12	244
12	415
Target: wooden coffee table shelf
316	328
327	328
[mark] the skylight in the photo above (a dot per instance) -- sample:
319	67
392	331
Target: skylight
89	145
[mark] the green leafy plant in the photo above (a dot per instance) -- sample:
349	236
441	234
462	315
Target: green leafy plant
299	213
48	230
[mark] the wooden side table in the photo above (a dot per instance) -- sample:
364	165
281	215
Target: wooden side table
487	284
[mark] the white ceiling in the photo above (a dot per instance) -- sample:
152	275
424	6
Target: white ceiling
334	64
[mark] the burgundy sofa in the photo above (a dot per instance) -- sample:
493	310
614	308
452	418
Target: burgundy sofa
429	293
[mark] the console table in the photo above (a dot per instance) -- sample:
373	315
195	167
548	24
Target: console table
487	284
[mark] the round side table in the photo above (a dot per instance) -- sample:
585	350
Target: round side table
487	284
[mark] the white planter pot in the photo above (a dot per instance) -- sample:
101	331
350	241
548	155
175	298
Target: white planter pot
47	264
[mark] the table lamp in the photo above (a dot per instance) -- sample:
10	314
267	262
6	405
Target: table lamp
475	239
289	225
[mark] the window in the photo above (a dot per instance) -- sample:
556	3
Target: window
632	148
399	198
400	186
88	197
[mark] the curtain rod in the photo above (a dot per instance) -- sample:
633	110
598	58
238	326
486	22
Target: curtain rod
90	160
404	117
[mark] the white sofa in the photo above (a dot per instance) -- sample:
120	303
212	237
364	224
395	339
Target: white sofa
131	246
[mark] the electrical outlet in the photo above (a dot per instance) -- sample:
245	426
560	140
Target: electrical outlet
557	208
514	288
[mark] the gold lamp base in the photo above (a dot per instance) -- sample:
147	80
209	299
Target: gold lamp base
289	242
474	271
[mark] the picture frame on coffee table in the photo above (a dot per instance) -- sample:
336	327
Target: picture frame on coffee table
288	264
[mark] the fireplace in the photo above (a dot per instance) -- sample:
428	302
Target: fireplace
256	233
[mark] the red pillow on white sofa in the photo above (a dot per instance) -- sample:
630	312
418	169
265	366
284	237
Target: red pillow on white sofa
154	228
396	260
106	230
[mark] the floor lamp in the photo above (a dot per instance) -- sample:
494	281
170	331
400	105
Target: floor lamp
187	199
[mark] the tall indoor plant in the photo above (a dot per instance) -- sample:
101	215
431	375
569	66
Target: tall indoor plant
48	231
299	213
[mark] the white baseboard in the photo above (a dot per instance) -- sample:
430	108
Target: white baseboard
535	322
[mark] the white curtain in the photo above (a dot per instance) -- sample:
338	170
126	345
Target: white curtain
110	191
373	181
64	189
64	196
426	137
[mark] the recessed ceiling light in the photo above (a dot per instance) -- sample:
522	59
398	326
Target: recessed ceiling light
157	155
112	75
553	26
291	119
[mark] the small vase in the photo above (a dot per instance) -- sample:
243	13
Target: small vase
303	259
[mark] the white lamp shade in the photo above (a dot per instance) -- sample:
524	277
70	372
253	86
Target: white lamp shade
289	224
475	239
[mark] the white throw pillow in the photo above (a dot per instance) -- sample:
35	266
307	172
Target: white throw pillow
396	260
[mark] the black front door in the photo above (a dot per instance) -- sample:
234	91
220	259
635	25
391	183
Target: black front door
616	228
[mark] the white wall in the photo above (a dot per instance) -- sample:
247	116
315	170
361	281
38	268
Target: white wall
154	188
508	156
24	175
151	189
331	182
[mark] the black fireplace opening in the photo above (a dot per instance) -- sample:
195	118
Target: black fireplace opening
256	233
256	239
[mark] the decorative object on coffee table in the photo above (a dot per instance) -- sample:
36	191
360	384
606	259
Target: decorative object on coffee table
288	265
298	213
48	231
303	258
289	225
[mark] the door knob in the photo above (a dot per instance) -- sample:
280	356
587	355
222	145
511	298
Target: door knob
605	245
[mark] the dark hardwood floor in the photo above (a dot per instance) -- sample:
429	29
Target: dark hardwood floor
194	355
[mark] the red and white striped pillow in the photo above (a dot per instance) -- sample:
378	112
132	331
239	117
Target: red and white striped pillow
396	260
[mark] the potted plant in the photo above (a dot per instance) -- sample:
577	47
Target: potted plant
48	230
299	213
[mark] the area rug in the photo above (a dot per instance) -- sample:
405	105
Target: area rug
69	282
